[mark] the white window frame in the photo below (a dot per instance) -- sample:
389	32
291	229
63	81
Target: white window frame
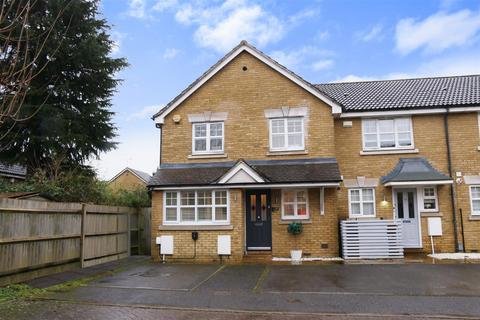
285	134
361	215
208	138
196	206
434	197
295	205
322	201
472	212
395	133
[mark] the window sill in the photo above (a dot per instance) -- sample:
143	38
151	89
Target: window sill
207	156
288	221
363	218
194	227
478	148
286	152
380	152
431	214
474	218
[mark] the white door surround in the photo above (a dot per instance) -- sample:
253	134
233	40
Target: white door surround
406	209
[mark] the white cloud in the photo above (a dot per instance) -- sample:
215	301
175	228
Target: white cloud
117	38
170	53
163	5
302	15
455	65
222	27
322	64
296	58
437	32
145	112
323	35
375	33
136	8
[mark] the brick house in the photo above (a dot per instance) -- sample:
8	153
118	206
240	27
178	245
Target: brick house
129	179
250	147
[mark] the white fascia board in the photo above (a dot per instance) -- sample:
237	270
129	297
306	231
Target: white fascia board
418	183
368	114
253	186
336	108
241	166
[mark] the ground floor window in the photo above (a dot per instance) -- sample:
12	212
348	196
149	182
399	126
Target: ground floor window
295	204
196	207
430	199
475	199
361	202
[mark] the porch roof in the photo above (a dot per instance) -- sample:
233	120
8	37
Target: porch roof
415	171
273	172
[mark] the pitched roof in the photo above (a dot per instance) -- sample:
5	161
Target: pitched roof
145	177
13	171
420	93
313	170
414	170
241	47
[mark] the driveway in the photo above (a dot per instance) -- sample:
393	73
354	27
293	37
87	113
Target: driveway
379	289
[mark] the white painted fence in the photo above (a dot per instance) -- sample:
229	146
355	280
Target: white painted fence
371	239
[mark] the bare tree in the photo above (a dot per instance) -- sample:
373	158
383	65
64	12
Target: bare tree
21	46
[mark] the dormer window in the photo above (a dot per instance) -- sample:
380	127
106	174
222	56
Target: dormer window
387	134
208	138
287	134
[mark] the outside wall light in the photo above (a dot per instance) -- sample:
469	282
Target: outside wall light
384	202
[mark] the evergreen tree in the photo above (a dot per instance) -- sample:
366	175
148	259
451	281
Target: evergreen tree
71	96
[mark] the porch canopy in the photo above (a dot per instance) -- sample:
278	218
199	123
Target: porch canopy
415	171
314	172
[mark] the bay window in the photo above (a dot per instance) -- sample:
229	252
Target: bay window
196	207
295	204
361	202
208	137
387	133
287	134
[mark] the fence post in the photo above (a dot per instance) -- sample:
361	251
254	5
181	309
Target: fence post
83	231
129	234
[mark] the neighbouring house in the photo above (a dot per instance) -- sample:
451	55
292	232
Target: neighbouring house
32	196
129	179
13	172
250	146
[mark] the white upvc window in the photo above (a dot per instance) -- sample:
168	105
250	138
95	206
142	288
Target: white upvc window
361	202
208	137
475	199
430	199
192	207
287	134
387	134
295	204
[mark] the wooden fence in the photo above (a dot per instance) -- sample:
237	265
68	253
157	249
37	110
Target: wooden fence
38	238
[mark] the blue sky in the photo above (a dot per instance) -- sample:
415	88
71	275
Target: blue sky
169	43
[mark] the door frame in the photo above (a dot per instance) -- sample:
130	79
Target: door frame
269	196
419	215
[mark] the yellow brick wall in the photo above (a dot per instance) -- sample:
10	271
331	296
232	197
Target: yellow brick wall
464	135
245	95
207	240
127	181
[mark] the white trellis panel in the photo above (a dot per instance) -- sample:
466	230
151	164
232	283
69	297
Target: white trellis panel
371	239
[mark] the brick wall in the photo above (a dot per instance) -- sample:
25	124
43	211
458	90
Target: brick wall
127	181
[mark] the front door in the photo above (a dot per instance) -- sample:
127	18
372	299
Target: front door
259	221
406	211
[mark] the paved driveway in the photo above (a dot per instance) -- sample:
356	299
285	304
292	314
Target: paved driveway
399	289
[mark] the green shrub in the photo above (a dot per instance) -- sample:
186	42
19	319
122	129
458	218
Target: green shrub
295	228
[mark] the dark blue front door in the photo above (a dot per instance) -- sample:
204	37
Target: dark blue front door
259	220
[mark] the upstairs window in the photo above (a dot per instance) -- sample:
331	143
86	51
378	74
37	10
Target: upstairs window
286	134
380	134
208	137
475	199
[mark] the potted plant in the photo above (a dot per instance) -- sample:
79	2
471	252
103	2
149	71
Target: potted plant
295	228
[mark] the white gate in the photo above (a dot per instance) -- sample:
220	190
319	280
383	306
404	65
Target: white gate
371	239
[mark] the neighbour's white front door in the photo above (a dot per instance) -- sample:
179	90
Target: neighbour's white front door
406	211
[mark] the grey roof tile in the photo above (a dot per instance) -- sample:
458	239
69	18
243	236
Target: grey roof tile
455	91
274	171
414	169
